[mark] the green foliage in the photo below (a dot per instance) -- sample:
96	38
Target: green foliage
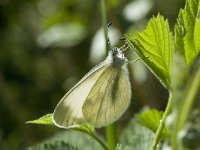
190	91
53	145
187	31
68	140
44	42
185	101
151	120
154	46
83	128
136	137
45	120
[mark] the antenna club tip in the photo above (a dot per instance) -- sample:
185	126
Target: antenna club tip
109	24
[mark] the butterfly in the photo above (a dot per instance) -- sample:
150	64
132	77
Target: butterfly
100	97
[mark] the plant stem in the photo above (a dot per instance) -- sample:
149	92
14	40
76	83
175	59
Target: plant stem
188	98
111	129
104	23
187	101
162	121
100	141
111	136
94	136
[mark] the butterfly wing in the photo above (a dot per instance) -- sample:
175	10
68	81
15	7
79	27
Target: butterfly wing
109	98
68	112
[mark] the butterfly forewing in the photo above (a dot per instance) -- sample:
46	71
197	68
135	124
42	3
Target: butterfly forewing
109	98
68	112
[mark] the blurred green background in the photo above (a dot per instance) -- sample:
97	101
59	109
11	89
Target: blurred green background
46	46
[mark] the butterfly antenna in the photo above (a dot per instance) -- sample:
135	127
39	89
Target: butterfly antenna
109	24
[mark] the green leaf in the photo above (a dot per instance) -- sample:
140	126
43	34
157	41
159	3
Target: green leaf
70	140
154	46
136	137
86	128
58	145
45	120
187	31
151	119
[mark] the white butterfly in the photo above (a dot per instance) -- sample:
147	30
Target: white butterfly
100	97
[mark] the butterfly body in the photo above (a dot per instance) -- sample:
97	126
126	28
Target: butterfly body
100	97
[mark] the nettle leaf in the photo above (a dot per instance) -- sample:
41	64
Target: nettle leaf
57	145
154	46
45	120
136	137
151	119
70	140
187	31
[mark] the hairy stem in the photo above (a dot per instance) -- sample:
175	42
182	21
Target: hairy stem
162	122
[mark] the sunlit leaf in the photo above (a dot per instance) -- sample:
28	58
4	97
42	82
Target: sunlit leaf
154	46
151	119
45	120
187	31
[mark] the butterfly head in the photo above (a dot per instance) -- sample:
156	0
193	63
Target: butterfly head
118	57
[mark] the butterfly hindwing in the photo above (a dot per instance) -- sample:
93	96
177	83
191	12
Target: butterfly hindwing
109	98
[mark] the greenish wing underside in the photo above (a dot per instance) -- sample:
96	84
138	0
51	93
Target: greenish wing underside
69	110
109	98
